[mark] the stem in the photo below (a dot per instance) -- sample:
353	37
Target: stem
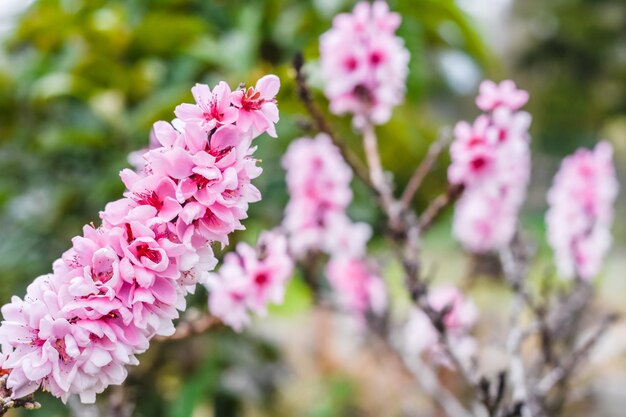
425	167
6	402
429	382
438	206
569	365
376	173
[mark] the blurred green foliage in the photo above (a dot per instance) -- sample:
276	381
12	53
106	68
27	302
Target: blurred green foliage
573	54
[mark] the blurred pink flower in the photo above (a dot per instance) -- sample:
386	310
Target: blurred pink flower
505	94
491	160
364	64
460	316
581	211
250	279
358	288
318	181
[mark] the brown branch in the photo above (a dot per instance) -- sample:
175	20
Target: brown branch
438	206
427	379
7	403
425	167
323	125
569	365
377	176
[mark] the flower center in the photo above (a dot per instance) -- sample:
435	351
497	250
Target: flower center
251	100
144	251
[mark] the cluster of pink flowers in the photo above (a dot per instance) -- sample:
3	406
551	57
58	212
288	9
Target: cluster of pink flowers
421	338
491	160
318	181
364	64
581	211
249	279
122	283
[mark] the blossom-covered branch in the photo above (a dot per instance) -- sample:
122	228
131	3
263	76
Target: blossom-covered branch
123	283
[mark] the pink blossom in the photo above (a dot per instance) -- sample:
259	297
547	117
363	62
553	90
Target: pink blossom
460	316
483	221
122	283
491	160
505	94
212	108
358	287
257	106
156	191
581	211
364	64
318	181
250	279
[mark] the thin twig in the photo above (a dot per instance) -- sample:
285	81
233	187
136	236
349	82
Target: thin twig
425	167
6	402
432	387
438	205
377	174
569	365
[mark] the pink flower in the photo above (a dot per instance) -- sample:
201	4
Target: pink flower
342	236
123	283
460	316
318	181
505	94
257	106
364	64
581	211
359	289
156	191
212	108
483	222
228	293
75	356
250	279
491	159
207	180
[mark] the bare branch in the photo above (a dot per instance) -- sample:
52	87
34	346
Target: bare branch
438	205
425	167
78	409
377	174
7	403
569	365
431	386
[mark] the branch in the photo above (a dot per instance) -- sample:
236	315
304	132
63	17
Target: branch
429	382
377	174
438	205
569	365
425	167
7	403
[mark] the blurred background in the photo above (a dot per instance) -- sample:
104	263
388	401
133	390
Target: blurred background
81	83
